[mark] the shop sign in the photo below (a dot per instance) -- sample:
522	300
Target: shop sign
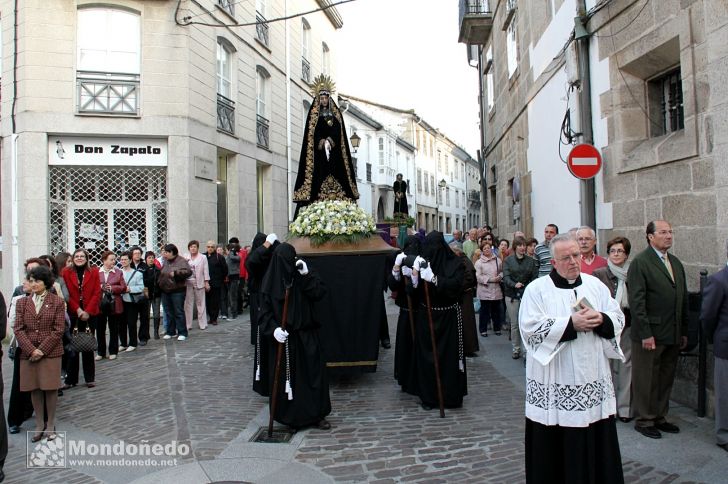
93	151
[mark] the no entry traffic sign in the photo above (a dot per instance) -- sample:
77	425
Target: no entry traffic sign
584	161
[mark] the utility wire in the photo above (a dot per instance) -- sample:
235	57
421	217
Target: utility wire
611	33
186	21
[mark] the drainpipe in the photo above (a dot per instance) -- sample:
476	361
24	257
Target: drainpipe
587	191
289	168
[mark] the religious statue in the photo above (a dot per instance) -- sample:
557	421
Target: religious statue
325	169
400	196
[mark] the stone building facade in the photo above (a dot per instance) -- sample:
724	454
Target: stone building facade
657	78
142	122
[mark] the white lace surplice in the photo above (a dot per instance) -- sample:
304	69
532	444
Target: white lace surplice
568	383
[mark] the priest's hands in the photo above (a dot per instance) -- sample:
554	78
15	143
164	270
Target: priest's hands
586	320
281	335
302	267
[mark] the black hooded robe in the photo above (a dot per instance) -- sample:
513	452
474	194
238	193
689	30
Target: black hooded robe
311	401
403	343
320	178
447	318
400	203
256	264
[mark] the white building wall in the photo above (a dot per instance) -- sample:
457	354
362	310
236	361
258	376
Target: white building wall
555	192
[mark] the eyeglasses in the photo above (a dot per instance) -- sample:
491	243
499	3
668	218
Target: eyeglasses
617	251
571	257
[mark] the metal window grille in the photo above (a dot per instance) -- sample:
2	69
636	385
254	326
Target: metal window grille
227	5
107	208
369	172
673	116
262	131
261	29
108	93
305	70
225	114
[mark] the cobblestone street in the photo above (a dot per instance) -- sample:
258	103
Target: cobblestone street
199	393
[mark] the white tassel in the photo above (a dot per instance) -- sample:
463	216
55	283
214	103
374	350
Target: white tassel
289	390
462	367
257	373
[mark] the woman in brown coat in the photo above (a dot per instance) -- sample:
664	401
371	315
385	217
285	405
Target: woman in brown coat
39	326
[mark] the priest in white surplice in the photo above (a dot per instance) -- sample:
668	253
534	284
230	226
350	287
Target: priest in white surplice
570	326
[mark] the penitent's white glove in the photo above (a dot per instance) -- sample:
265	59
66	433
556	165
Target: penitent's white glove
281	335
400	257
406	271
271	238
418	260
302	267
428	275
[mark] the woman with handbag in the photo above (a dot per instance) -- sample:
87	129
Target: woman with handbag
151	288
111	308
39	326
489	273
134	302
84	296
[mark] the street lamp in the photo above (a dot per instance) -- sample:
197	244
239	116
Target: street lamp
442	184
355	140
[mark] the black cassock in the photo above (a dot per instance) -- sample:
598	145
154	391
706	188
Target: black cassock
320	178
307	371
447	318
256	264
400	197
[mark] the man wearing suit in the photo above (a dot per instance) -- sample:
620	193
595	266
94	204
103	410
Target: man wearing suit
714	315
659	304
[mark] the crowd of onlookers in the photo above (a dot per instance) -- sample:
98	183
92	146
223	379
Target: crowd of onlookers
69	313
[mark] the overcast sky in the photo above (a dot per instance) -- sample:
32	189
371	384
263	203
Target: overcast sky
405	53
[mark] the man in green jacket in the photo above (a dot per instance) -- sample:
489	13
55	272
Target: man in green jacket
658	300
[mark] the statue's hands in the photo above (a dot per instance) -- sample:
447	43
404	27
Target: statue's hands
331	142
321	144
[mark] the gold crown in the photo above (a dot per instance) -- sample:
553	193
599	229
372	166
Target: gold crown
322	84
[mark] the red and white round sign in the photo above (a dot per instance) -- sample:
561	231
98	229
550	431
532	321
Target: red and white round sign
584	161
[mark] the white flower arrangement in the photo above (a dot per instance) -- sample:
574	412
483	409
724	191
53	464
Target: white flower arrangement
339	221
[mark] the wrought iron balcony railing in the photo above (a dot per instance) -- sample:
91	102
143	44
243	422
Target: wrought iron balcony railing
474	196
261	29
262	130
227	5
225	114
305	70
475	22
108	93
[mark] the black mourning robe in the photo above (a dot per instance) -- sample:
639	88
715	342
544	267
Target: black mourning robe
307	366
256	264
319	178
447	318
404	341
400	197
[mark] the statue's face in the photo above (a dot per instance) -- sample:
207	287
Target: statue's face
324	100
399	177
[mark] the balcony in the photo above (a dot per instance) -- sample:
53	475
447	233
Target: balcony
474	197
228	6
108	93
476	22
305	70
261	132
261	29
225	114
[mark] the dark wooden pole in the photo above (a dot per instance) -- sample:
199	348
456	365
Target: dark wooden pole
277	373
435	356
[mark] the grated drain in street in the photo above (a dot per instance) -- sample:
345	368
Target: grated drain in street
279	436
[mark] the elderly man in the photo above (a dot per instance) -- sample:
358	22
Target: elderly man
714	314
471	244
543	252
571	327
590	261
658	300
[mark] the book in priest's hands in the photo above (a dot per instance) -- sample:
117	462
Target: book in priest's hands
581	303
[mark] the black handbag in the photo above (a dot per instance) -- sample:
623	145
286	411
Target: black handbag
83	341
13	348
107	302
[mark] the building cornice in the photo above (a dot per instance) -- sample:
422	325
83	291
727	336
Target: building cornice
332	13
